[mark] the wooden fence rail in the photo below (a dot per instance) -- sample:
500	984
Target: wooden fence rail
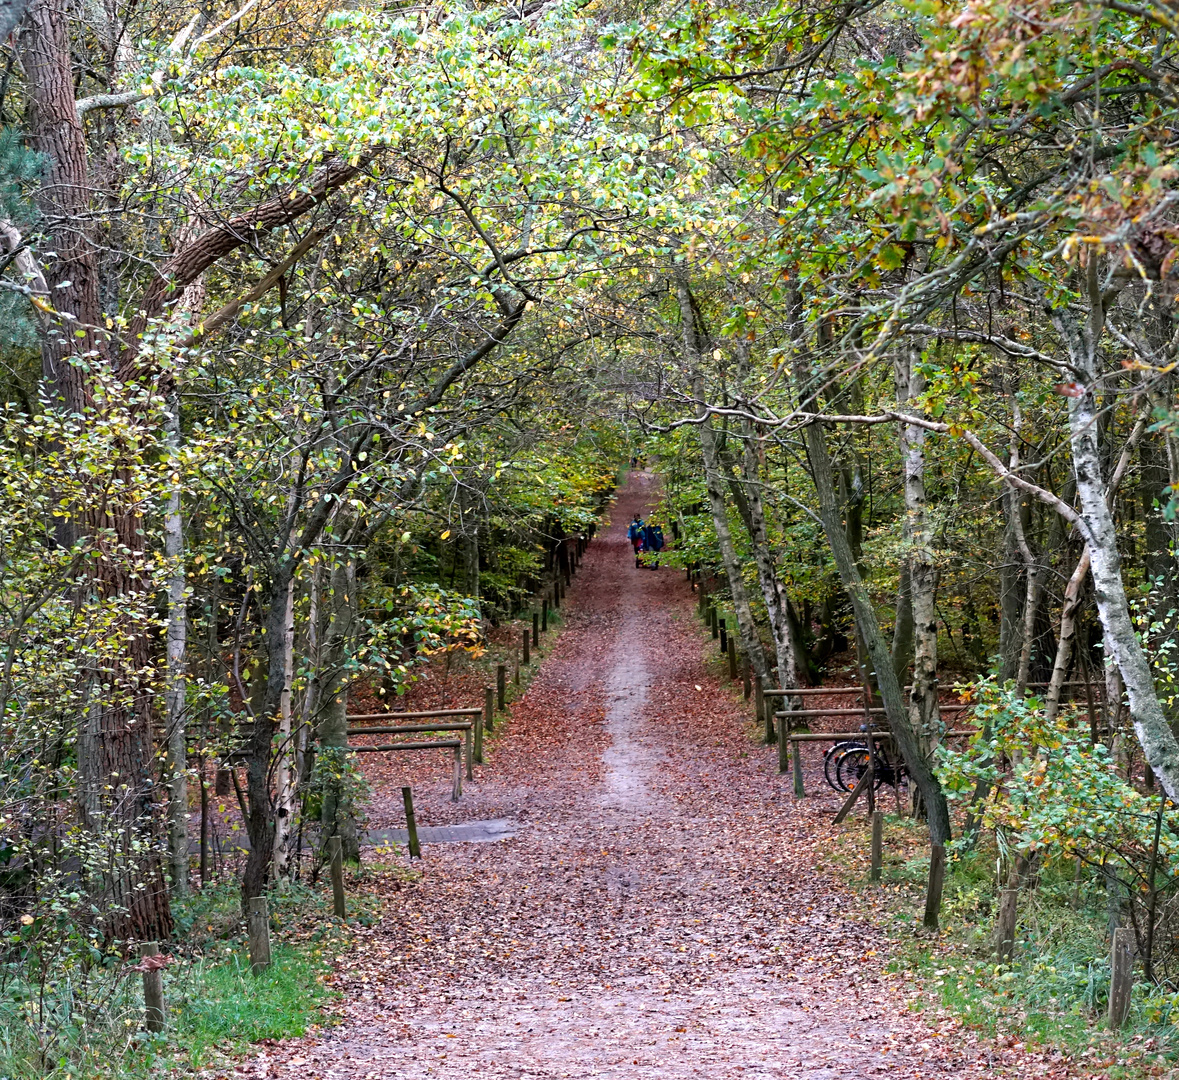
435	744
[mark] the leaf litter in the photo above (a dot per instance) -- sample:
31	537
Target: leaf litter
664	911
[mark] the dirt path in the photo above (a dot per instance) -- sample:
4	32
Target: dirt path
662	911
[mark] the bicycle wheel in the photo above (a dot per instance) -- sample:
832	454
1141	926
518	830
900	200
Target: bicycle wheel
852	765
831	758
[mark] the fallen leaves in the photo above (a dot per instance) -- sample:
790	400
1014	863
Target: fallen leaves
664	887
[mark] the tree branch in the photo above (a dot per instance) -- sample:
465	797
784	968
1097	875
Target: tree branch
219	318
109	101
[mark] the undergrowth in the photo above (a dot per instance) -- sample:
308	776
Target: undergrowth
86	1020
1054	993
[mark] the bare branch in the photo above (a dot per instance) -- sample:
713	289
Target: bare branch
109	101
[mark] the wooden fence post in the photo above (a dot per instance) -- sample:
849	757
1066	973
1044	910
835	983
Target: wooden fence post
556	593
724	638
488	708
770	706
411	825
1005	924
544	615
748	687
153	990
336	863
937	878
479	738
457	792
527	654
758	700
535	629
258	927
783	744
501	685
1121	975
877	846
714	623
799	790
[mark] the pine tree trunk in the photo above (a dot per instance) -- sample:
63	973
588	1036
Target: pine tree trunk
115	752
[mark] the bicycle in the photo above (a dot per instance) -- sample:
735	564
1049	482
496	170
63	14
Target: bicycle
831	758
849	760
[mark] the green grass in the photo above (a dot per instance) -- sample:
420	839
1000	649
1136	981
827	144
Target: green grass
1054	993
222	1008
85	1021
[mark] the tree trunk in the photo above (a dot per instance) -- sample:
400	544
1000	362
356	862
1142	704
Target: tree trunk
936	810
286	774
1069	609
902	631
924	713
175	725
693	353
1074	589
336	816
468	540
1159	557
1121	642
304	756
752	509
115	745
64	200
1009	591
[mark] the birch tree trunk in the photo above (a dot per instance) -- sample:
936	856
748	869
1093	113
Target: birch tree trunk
285	772
1074	590
748	495
924	713
1034	567
1113	608
693	354
303	749
177	640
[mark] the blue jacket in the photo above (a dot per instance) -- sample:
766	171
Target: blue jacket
653	538
636	531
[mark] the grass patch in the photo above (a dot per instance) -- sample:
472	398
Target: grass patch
84	1020
1055	991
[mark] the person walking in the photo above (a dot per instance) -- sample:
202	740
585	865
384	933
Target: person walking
653	542
637	535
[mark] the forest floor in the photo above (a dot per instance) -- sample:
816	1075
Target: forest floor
666	908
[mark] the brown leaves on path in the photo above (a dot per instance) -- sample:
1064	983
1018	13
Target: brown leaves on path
662	912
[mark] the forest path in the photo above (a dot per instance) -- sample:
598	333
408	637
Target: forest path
662	911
